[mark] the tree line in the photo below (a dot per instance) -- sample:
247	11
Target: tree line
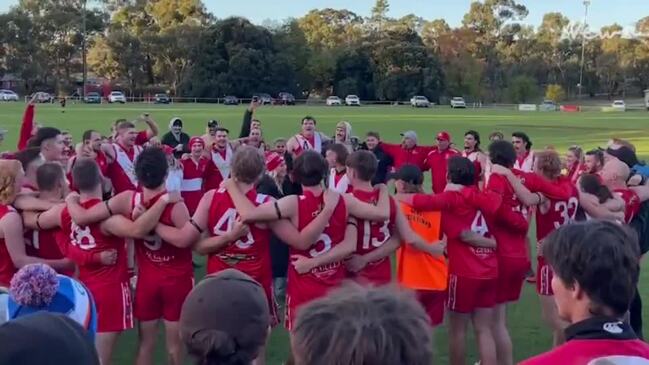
177	46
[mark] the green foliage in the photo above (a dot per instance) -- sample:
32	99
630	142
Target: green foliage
522	89
555	93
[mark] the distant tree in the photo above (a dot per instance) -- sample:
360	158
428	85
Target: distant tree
522	89
555	93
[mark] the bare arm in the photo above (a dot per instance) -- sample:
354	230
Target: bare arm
477	240
590	203
218	242
378	212
523	193
48	219
642	191
30	202
339	252
153	130
120	226
188	234
286	206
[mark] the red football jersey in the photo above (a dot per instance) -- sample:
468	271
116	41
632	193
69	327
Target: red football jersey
219	169
437	163
157	257
477	166
631	203
191	188
372	235
463	211
86	241
7	268
509	224
43	244
142	138
121	172
249	254
302	288
401	156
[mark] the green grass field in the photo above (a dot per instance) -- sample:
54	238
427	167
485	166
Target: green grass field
561	130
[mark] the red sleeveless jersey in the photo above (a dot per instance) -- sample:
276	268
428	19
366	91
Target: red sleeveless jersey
372	235
121	172
303	288
7	268
43	244
157	257
557	211
192	186
477	166
631	203
90	240
249	254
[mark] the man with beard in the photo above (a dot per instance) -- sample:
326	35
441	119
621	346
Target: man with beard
437	160
473	152
176	138
308	139
221	156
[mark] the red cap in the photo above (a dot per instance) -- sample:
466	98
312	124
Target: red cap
167	150
443	136
196	140
273	160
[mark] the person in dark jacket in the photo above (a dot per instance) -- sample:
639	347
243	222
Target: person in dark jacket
277	184
176	138
373	144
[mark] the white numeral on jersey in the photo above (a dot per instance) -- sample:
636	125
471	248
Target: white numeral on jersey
567	210
225	224
34	242
326	240
82	237
479	225
383	232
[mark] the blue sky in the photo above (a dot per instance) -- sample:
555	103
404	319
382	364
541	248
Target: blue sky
602	12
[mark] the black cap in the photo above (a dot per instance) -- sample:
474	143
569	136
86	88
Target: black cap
408	173
212	123
624	154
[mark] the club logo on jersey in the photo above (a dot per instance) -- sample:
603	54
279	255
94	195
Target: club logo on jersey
153	242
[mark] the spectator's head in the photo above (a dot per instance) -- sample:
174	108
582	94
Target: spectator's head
175	125
591	184
496	136
443	139
276	166
472	141
255	124
196	146
248	165
151	167
279	145
615	143
336	155
624	154
548	164
50	178
309	168
461	171
46	338
574	156
615	172
30	159
372	140
255	136
308	125
37	287
126	133
228	328
221	137
408	179
357	325
596	266
361	166
502	153
343	132
50	142
67	138
212	125
11	176
409	139
594	161
521	142
86	176
92	139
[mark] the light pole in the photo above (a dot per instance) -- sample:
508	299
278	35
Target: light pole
83	51
583	47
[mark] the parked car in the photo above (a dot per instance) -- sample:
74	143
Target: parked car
117	97
231	100
334	100
93	98
162	99
284	98
419	102
646	98
42	97
352	100
264	99
458	102
548	106
8	95
619	105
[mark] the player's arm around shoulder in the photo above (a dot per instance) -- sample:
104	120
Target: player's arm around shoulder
379	212
48	219
193	228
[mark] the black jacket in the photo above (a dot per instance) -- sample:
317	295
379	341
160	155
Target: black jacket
385	162
171	141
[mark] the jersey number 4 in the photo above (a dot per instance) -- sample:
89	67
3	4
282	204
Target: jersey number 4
225	225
